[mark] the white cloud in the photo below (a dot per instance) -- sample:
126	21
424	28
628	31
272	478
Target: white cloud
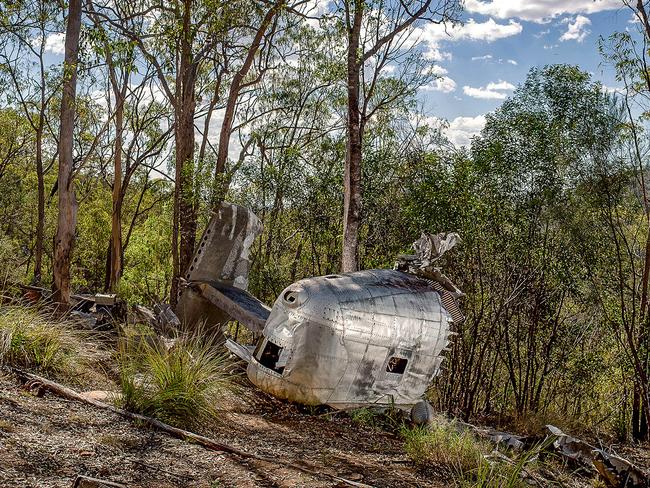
492	91
482	58
613	90
436	69
434	34
500	85
461	129
442	84
577	30
511	61
55	43
539	10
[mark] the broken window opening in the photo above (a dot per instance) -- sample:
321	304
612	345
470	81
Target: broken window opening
270	357
396	365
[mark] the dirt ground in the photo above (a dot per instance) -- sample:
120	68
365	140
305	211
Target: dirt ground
47	441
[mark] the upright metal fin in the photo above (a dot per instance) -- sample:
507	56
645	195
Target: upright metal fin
221	258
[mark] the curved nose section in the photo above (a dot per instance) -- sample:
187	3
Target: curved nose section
282	322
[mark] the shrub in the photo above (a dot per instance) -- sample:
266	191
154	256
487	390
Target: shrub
30	339
179	384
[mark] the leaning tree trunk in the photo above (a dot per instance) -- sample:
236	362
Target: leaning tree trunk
67	217
220	181
352	176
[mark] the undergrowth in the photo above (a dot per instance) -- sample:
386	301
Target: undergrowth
458	455
389	419
179	384
32	339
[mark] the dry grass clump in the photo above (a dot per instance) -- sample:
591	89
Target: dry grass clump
31	339
466	461
180	384
443	447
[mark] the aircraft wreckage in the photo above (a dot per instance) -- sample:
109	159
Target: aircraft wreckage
373	337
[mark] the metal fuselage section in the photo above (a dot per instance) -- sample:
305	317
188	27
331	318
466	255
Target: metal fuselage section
368	337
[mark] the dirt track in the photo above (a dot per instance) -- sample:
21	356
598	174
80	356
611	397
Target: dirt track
47	441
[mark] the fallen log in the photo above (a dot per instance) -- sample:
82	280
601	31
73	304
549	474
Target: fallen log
206	442
87	482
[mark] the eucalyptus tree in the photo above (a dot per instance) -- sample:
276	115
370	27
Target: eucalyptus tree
379	34
226	40
67	213
137	139
26	28
295	127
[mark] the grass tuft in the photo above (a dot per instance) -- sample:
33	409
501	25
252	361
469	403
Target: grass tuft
459	456
33	340
443	447
180	384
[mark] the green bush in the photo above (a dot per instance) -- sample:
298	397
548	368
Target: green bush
179	384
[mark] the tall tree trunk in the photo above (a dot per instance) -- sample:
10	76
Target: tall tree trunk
40	225
67	217
116	216
352	176
185	215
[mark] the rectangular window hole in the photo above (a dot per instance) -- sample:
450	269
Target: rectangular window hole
270	356
396	365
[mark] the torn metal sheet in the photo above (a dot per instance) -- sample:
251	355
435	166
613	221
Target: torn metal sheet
613	470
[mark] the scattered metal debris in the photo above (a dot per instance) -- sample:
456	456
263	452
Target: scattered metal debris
166	320
614	470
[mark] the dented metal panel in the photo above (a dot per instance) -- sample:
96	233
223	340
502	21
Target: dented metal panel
340	332
222	256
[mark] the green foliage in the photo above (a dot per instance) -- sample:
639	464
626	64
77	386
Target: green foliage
454	451
180	384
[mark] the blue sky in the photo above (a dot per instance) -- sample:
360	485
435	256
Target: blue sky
480	62
483	60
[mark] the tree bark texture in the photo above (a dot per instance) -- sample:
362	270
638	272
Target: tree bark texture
352	175
185	212
67	215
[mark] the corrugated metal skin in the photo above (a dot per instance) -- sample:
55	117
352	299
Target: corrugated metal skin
340	331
